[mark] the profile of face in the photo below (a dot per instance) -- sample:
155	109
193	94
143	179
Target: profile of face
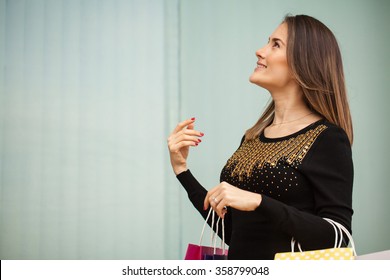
272	71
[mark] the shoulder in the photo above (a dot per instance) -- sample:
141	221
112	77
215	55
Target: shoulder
331	143
333	135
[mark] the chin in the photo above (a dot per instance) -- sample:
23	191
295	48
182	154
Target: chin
259	83
252	79
255	81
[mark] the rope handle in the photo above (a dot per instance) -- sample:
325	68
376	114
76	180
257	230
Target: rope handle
213	233
343	229
339	229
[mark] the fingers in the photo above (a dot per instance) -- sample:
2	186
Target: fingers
186	136
210	197
221	209
191	126
183	124
188	127
217	200
219	206
189	123
183	134
177	142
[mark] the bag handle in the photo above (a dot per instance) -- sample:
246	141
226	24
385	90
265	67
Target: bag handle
343	229
335	240
213	233
339	229
204	226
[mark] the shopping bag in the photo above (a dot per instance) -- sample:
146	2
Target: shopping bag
201	252
336	253
198	252
324	254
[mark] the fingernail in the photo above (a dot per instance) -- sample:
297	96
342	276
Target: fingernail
199	140
192	119
196	144
201	134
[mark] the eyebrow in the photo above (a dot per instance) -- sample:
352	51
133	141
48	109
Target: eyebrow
276	39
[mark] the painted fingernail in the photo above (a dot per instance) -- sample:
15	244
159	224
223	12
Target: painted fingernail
201	134
199	140
196	144
192	119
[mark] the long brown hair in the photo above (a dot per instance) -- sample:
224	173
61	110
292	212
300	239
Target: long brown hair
314	58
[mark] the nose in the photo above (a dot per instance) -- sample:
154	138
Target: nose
260	53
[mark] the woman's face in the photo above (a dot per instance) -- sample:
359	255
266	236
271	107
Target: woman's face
272	71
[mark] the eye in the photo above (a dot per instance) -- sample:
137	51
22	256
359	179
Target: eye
276	45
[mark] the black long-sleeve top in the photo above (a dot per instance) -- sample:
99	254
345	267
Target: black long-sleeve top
302	178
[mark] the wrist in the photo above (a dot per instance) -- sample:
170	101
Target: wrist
179	169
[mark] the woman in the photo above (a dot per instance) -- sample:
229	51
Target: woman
294	166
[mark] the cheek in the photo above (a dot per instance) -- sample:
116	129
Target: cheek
280	65
281	69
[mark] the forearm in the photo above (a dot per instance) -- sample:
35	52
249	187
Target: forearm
197	193
310	229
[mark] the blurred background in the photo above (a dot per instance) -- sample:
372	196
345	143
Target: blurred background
91	89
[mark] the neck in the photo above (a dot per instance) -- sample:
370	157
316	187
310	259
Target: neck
289	114
289	107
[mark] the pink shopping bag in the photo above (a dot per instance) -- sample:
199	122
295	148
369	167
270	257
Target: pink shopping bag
199	252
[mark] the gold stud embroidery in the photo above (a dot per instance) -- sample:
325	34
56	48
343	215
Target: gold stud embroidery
254	153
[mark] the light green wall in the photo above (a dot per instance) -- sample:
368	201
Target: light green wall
89	91
82	128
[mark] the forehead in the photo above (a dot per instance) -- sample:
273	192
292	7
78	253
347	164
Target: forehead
280	32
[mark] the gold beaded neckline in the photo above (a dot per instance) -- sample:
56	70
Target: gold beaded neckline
256	153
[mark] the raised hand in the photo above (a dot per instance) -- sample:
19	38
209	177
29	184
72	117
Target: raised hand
179	142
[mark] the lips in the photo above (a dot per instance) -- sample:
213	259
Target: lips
261	65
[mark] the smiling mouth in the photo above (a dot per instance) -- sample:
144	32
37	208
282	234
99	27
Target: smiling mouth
259	65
